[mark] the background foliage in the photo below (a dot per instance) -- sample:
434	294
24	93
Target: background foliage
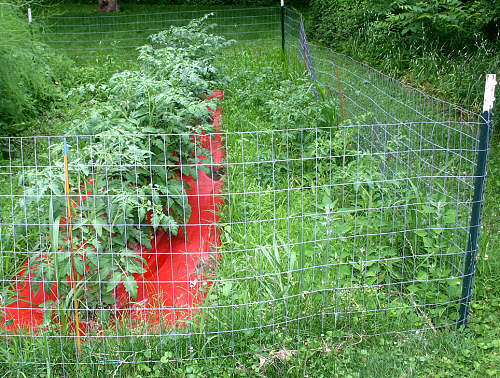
29	72
444	47
198	3
410	18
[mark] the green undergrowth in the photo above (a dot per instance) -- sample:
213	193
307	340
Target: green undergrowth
318	232
442	47
29	74
456	76
446	354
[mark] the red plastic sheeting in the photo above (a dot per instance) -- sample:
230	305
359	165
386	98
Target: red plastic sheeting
177	267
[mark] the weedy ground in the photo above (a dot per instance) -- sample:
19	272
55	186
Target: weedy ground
258	92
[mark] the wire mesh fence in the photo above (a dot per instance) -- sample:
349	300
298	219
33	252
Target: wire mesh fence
255	239
88	37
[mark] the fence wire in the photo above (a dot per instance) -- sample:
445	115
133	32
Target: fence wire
275	241
92	37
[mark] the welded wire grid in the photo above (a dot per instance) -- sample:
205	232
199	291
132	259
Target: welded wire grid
91	37
431	140
356	229
304	50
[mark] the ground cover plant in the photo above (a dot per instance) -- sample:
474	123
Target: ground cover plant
286	353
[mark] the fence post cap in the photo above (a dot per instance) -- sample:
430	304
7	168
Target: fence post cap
489	92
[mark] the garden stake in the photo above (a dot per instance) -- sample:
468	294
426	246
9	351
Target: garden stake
30	23
340	92
74	276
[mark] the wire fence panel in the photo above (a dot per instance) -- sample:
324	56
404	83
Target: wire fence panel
91	37
304	50
111	245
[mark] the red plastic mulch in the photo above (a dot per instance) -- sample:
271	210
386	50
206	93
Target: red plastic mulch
179	269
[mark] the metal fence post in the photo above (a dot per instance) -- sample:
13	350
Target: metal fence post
475	220
283	25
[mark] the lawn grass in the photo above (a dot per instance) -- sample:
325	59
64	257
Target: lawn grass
304	345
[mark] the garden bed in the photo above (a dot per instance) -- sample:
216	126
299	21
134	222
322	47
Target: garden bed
178	269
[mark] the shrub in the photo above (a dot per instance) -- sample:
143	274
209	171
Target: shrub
454	21
338	19
443	47
451	21
28	72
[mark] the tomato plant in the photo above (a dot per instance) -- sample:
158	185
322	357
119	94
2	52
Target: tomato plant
127	163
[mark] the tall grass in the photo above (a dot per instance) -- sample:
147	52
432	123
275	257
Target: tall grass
456	76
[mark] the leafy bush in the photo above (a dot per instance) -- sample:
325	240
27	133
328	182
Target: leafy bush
29	72
450	20
454	21
338	19
442	47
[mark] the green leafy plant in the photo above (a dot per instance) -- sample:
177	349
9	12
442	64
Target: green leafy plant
437	17
30	72
125	173
339	19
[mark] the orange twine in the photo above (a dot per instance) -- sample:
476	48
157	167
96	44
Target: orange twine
74	276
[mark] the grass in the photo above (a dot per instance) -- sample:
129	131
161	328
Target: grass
272	248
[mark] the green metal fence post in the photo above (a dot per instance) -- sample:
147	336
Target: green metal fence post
475	220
